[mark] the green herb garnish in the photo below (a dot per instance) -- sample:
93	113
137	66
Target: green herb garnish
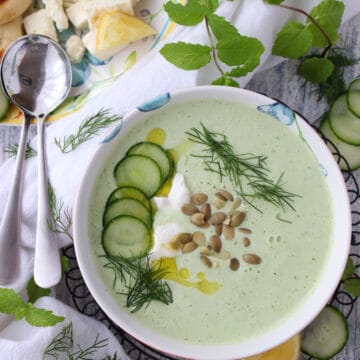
11	303
143	282
233	54
88	128
12	150
62	347
245	171
61	220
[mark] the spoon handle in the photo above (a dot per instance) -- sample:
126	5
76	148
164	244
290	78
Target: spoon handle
47	267
9	243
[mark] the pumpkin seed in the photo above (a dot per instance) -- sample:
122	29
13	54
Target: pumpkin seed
252	259
237	218
234	264
217	218
206	210
189	247
189	209
246	242
245	231
206	261
215	243
218	203
226	195
184	237
198	237
199	198
218	229
197	219
229	232
235	204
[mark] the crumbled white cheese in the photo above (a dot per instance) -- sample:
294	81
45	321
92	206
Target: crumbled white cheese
89	41
179	194
40	23
78	15
164	233
56	11
162	236
75	48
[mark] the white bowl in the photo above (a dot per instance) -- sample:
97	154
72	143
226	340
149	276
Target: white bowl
294	323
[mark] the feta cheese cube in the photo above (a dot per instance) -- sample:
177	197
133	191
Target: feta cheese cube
78	15
40	23
75	48
56	11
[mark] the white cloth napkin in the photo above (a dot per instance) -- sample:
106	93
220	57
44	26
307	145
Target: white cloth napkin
149	77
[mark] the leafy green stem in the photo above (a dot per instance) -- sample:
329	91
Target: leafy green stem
212	45
316	24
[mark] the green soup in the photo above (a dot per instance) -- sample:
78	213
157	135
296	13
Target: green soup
293	245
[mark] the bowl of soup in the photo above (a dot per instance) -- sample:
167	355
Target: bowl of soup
212	223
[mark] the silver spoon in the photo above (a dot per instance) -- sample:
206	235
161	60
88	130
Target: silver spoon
36	76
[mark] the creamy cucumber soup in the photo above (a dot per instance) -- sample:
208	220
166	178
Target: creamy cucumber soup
273	246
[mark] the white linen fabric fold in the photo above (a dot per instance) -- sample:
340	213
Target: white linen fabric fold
150	77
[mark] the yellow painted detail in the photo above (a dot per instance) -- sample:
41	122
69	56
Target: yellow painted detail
182	276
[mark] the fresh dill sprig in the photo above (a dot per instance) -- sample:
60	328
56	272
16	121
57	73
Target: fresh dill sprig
62	346
335	83
88	128
143	283
61	219
12	150
244	170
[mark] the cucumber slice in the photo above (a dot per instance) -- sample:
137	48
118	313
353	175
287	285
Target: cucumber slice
130	193
139	171
353	97
4	104
350	152
344	124
126	236
127	207
326	335
155	152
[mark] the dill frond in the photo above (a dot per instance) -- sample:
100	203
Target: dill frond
12	150
244	170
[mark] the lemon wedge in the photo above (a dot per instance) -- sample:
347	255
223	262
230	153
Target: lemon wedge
116	28
289	350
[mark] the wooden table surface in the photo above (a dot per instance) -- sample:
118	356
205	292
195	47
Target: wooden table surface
281	83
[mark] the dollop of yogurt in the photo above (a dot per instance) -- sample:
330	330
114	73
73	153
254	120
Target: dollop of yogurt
165	225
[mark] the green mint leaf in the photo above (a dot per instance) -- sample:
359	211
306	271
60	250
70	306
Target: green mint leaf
293	41
316	70
190	14
328	14
211	5
349	269
243	70
186	56
352	286
41	317
221	28
10	301
239	50
225	81
35	292
274	2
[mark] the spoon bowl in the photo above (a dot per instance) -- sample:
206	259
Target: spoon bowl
36	76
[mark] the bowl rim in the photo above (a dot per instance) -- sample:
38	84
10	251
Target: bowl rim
294	324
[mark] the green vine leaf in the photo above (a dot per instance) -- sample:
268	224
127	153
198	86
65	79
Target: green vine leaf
225	81
239	50
328	15
186	56
293	41
316	70
221	28
349	269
